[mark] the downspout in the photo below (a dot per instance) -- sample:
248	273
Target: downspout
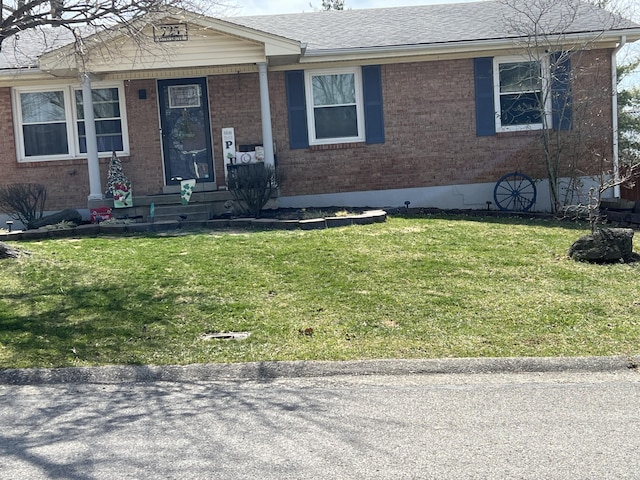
614	115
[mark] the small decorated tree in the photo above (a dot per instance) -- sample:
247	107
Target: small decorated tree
118	185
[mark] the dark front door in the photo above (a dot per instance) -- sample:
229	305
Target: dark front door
186	131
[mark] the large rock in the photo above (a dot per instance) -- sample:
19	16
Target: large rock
68	215
604	245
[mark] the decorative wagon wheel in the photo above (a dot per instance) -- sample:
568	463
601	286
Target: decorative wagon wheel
515	192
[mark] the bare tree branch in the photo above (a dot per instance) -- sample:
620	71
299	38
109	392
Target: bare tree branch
18	16
553	34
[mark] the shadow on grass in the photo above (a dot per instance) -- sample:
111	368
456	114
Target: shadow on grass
63	325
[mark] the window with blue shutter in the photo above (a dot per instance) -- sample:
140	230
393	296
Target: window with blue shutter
510	93
485	109
296	106
561	90
333	106
373	111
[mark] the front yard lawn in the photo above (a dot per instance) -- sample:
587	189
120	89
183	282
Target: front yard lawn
407	288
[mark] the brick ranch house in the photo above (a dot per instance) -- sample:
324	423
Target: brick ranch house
357	108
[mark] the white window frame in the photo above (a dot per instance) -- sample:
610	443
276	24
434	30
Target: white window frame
545	85
71	121
357	72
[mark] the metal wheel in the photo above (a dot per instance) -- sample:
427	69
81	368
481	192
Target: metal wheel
515	192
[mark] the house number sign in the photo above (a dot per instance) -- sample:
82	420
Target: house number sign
171	32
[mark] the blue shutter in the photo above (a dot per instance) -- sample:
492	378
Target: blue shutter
297	108
485	107
561	90
373	112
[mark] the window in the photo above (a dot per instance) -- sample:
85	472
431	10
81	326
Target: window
44	127
106	112
519	94
50	127
334	106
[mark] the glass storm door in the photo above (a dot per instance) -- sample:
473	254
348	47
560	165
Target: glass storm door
186	131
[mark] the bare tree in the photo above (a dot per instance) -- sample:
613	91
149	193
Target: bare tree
329	5
82	16
333	4
253	185
557	87
24	201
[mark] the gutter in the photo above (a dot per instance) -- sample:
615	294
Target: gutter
474	45
8	77
614	115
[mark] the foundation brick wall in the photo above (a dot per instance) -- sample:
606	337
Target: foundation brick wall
145	166
235	102
67	181
7	144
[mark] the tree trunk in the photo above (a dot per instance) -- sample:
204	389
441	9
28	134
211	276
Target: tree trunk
68	215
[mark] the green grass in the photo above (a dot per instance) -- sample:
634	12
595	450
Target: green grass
408	288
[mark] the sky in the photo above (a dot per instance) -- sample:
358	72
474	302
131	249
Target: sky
629	8
271	7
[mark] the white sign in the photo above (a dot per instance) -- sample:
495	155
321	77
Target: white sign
172	32
184	96
228	147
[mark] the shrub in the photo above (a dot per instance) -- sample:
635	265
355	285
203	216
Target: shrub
252	185
23	201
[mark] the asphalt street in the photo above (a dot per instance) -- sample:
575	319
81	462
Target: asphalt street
525	425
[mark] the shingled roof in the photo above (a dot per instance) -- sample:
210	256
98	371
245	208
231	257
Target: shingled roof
23	50
395	27
433	24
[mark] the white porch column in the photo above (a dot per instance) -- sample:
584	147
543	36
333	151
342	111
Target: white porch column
95	186
265	109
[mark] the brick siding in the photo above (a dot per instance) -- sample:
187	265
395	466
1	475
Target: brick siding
429	114
67	181
145	167
429	118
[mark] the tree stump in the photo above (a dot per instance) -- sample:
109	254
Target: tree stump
603	246
68	215
7	252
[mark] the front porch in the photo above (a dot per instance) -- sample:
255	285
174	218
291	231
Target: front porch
185	102
202	206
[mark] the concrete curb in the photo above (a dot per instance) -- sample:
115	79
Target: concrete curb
271	370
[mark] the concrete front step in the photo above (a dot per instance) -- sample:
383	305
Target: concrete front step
201	206
180	209
191	211
169	199
202	216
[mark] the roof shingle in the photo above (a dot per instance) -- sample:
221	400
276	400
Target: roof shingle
383	27
432	24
